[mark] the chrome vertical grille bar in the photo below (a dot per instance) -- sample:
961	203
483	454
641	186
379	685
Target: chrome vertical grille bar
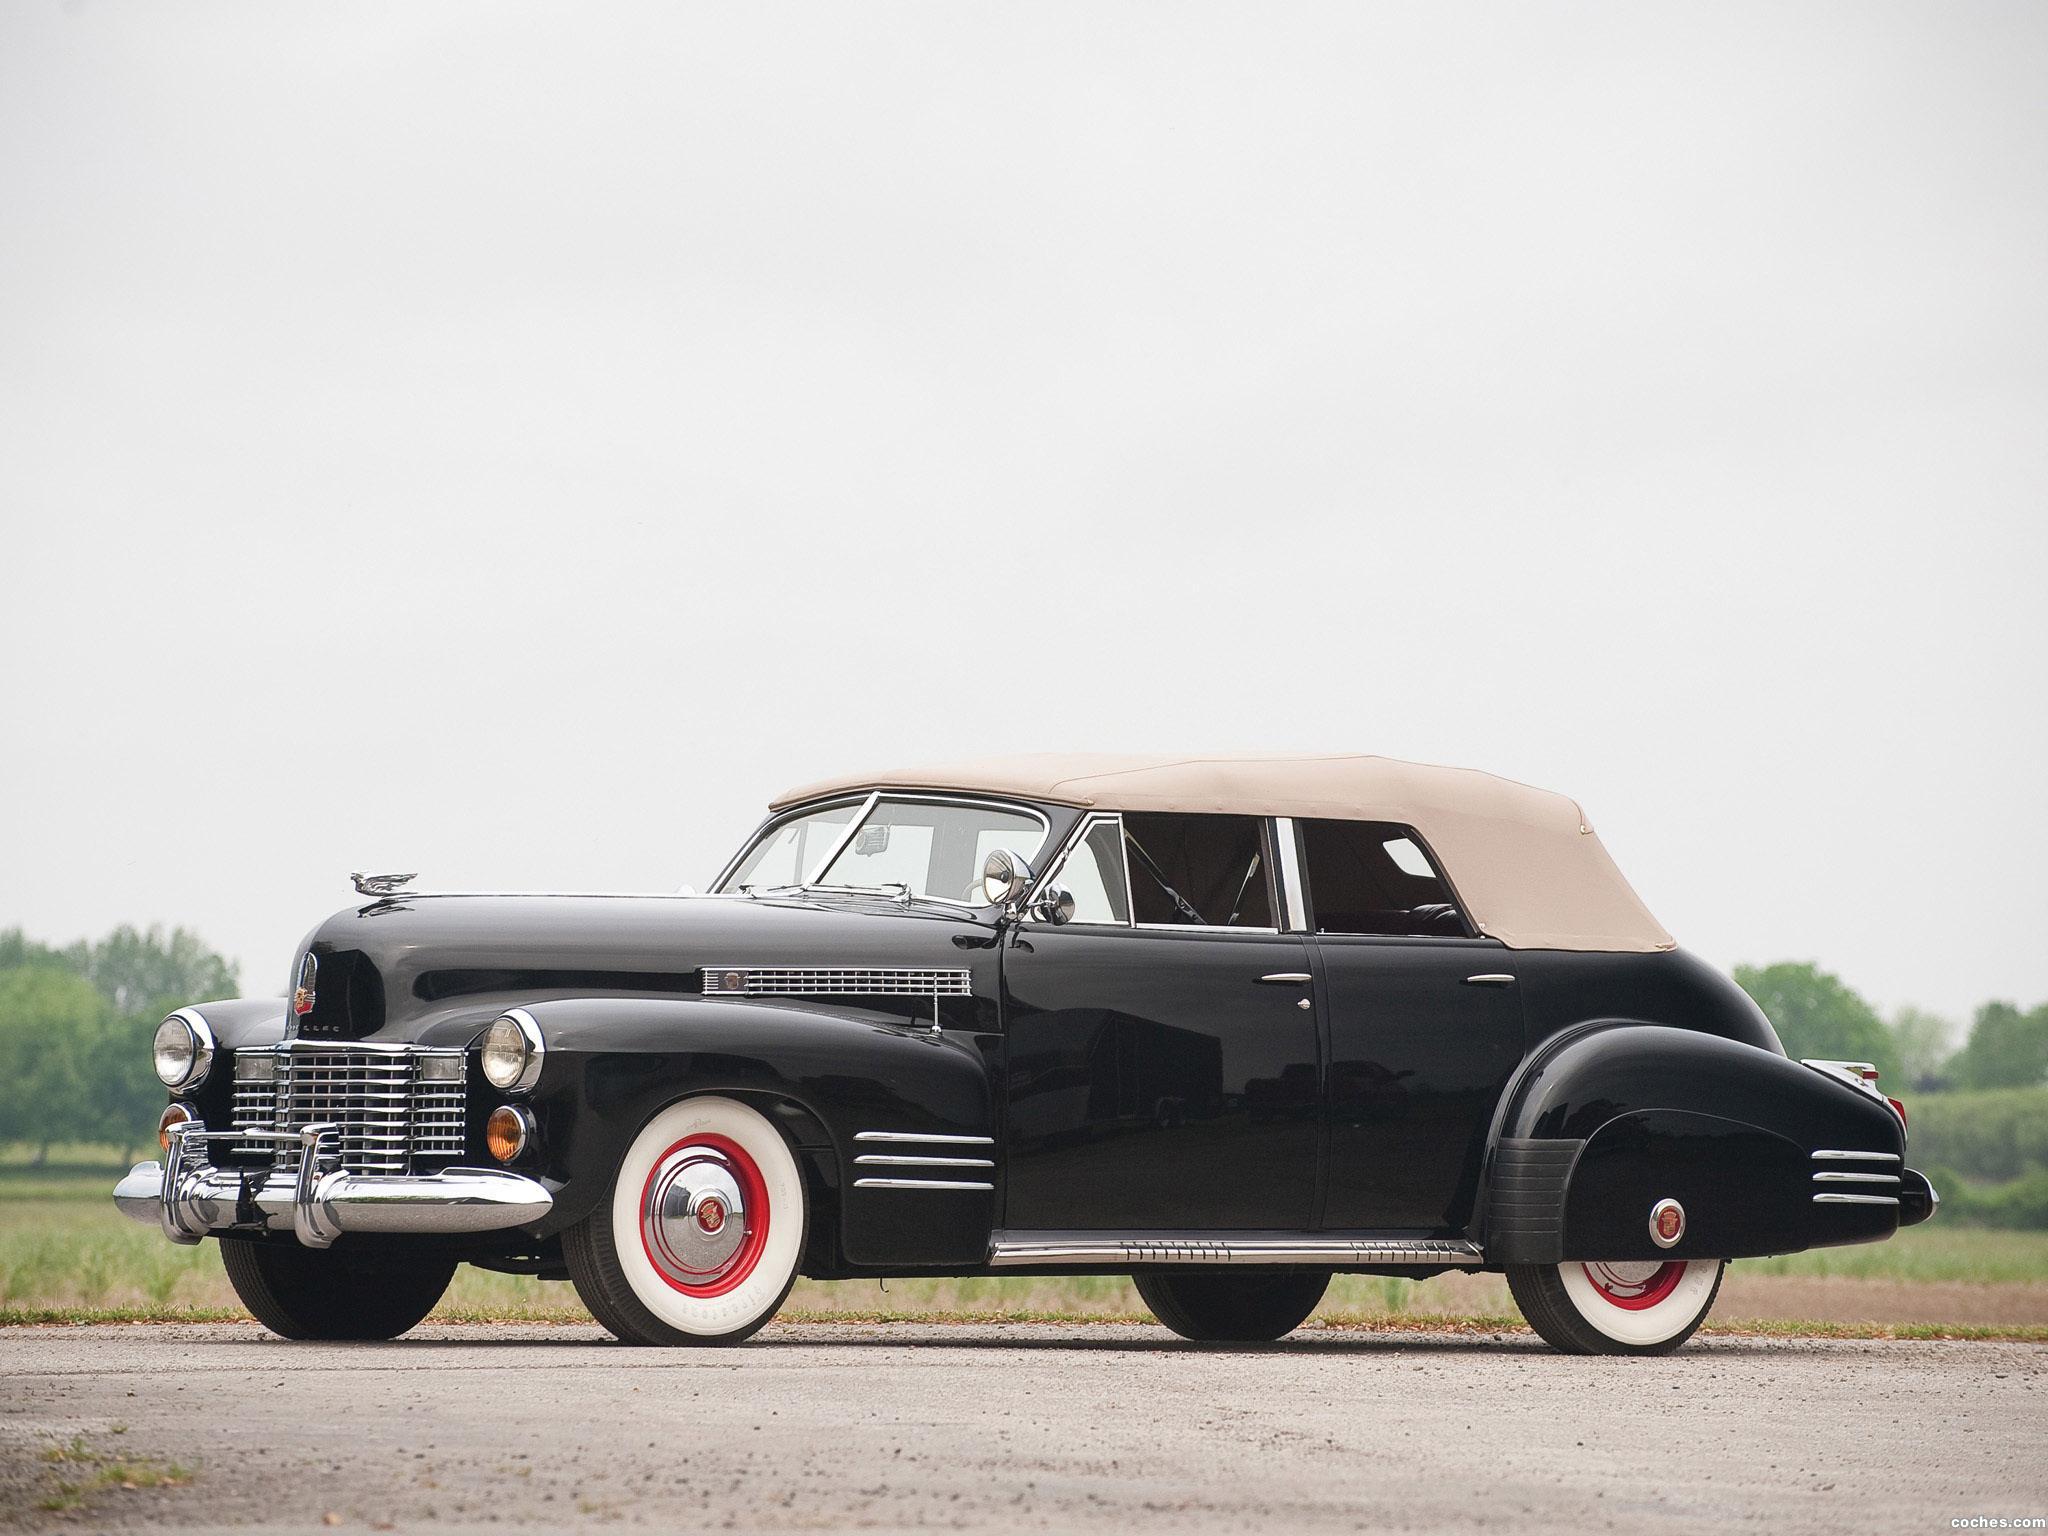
386	1116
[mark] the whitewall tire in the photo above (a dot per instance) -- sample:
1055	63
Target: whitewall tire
1648	1307
699	1238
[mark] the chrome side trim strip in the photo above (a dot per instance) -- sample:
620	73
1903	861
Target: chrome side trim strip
1855	1178
1855	1199
882	1160
1297	978
1009	1250
1830	1155
942	1141
919	1184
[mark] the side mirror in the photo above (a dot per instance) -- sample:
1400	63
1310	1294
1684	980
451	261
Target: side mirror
1004	879
1055	905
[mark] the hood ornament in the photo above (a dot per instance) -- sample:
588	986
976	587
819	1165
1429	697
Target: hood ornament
381	885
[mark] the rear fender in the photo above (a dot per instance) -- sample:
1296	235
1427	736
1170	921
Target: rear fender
1616	1118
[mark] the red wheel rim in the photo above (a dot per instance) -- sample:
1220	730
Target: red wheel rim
715	1214
1620	1286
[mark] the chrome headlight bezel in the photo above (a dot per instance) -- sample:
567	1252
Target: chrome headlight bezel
182	1051
511	1050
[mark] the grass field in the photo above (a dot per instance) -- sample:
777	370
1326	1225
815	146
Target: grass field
65	1251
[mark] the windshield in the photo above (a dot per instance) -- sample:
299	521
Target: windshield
790	852
925	848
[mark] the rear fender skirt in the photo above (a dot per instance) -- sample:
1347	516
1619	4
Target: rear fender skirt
1617	1117
613	1062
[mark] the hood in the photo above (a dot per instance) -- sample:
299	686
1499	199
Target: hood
397	967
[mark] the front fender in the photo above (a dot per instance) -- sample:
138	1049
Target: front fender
238	1023
1615	1118
611	1063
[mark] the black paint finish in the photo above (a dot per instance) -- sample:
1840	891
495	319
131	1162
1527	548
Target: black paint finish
1418	1058
1130	1080
1154	1081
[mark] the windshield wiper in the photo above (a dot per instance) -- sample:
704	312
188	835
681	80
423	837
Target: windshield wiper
895	888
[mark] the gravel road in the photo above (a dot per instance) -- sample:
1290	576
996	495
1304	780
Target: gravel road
1059	1428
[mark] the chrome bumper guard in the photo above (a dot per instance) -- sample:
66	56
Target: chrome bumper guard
190	1197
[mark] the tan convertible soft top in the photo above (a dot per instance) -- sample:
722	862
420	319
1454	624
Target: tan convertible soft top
1525	862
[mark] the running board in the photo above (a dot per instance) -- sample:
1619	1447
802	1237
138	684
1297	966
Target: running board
1011	1250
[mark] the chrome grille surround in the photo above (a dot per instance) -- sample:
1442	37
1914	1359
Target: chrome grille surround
390	1119
834	981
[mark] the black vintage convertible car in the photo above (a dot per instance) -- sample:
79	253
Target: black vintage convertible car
1227	1025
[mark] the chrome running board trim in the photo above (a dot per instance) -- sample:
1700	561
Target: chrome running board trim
884	1160
1855	1178
1855	1199
920	1184
1830	1155
1013	1249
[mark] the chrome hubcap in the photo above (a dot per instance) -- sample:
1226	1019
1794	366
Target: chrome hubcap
1625	1279
694	1216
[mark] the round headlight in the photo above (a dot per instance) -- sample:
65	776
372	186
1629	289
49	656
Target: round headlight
183	1050
511	1051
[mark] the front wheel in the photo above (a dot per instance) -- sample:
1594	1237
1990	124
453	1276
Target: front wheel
1646	1308
699	1237
1232	1306
332	1293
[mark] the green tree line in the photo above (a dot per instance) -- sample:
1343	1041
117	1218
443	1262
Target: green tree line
75	1031
1818	1015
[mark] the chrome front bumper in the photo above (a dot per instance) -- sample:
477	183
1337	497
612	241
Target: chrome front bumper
189	1197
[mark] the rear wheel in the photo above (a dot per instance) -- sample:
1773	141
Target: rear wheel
1232	1305
698	1239
332	1293
1633	1308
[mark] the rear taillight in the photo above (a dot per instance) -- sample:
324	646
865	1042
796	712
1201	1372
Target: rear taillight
1897	1108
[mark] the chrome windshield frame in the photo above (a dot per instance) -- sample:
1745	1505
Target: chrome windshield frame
815	883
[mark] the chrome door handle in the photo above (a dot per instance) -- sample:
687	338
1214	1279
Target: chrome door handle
1300	978
1491	979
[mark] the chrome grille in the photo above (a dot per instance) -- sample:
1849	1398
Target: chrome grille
834	981
390	1117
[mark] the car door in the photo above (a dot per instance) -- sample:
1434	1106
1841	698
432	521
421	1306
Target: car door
1161	1062
1425	1026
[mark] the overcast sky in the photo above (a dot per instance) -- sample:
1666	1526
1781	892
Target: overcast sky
510	442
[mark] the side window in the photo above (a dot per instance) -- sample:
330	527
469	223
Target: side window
1374	877
1198	870
1094	874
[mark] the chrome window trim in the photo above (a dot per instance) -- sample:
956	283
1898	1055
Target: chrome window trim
1293	897
1081	828
1057	867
